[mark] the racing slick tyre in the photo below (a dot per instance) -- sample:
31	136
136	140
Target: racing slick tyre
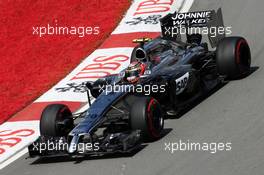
56	120
146	115
233	57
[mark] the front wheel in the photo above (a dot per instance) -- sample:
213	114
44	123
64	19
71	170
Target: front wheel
233	57
146	115
56	120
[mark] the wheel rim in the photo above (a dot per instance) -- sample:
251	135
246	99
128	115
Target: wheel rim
243	55
63	116
155	118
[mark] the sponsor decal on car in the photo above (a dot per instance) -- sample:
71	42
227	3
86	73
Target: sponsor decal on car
181	83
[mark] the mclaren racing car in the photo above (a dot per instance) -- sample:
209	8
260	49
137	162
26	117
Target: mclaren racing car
165	74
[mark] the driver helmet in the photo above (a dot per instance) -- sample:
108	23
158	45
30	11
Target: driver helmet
134	71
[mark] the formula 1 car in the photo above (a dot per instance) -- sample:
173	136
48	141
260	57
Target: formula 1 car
164	76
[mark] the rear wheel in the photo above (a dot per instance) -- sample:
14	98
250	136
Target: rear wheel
233	57
146	115
56	120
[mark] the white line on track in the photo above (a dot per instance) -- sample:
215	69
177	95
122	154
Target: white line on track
13	158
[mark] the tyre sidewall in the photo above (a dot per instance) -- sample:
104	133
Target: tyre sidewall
228	60
141	117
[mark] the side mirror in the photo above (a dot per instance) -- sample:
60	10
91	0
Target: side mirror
89	85
96	87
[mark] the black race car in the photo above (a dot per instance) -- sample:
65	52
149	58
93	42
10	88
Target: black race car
164	76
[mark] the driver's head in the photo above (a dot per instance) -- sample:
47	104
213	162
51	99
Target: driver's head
134	71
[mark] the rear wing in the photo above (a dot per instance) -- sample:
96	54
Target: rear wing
171	24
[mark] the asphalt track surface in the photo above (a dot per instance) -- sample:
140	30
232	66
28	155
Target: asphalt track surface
235	113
